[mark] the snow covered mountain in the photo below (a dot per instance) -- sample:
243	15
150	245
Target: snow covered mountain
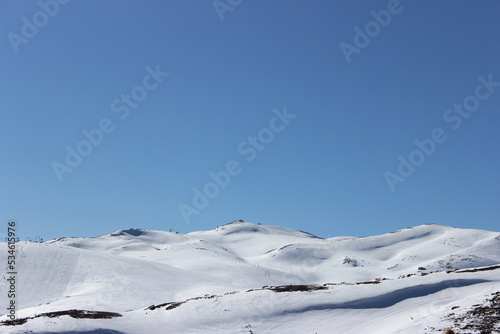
247	278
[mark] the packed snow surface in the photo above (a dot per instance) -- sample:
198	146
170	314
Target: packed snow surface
247	278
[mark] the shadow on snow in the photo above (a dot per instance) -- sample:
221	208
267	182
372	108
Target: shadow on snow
392	298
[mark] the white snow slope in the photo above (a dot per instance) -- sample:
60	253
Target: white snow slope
224	281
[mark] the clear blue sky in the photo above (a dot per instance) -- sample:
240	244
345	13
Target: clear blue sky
229	68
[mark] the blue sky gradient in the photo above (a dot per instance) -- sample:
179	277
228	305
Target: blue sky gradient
229	67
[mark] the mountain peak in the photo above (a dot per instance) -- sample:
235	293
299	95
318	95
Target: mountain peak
131	231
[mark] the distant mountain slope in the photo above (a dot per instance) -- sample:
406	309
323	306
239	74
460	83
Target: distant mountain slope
218	276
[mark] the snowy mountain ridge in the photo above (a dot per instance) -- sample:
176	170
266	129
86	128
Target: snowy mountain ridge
243	277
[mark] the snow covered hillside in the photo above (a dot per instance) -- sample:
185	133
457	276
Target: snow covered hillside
247	278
